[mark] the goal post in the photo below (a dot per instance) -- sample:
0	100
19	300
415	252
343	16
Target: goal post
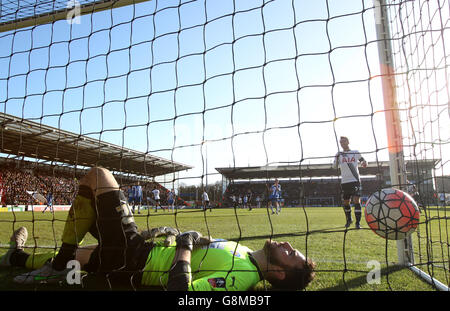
392	116
398	174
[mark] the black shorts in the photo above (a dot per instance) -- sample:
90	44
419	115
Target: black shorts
128	269
115	231
351	189
122	252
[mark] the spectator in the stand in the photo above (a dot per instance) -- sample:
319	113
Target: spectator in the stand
17	181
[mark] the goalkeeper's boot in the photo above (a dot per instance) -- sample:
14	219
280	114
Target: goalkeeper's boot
358	225
16	242
44	275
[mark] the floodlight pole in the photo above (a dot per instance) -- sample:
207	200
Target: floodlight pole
392	116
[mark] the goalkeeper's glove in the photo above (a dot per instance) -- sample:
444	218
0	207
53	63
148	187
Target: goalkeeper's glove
188	240
192	240
169	232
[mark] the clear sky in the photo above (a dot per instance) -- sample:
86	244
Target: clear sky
246	84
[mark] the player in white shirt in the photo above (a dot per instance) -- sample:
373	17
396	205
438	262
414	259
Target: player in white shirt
205	199
275	197
233	200
156	198
347	160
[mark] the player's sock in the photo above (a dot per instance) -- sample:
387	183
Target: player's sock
79	220
81	217
116	228
348	214
37	260
358	213
65	254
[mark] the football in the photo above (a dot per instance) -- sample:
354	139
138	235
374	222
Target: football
392	214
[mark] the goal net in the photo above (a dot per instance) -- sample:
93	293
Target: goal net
164	93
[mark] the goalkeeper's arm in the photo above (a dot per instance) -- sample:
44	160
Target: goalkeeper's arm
180	274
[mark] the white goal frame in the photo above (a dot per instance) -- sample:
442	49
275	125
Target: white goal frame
64	13
405	247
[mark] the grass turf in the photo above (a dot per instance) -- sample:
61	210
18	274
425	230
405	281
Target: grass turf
344	257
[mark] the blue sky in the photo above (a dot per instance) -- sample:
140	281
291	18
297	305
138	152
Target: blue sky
266	85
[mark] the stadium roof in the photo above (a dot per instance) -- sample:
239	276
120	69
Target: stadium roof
308	170
289	171
26	138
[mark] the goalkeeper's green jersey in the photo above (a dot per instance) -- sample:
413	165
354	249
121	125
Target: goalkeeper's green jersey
222	265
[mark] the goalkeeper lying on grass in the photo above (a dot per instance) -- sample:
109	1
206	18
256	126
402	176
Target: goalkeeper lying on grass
185	261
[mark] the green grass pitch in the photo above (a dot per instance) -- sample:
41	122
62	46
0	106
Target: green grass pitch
343	257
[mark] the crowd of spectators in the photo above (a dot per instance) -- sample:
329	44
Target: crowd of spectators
314	192
18	183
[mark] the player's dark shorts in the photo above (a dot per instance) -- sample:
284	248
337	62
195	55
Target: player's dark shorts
122	252
127	274
350	189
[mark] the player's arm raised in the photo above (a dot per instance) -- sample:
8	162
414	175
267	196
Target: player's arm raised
336	160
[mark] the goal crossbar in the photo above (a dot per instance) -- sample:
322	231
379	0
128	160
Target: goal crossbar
15	23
